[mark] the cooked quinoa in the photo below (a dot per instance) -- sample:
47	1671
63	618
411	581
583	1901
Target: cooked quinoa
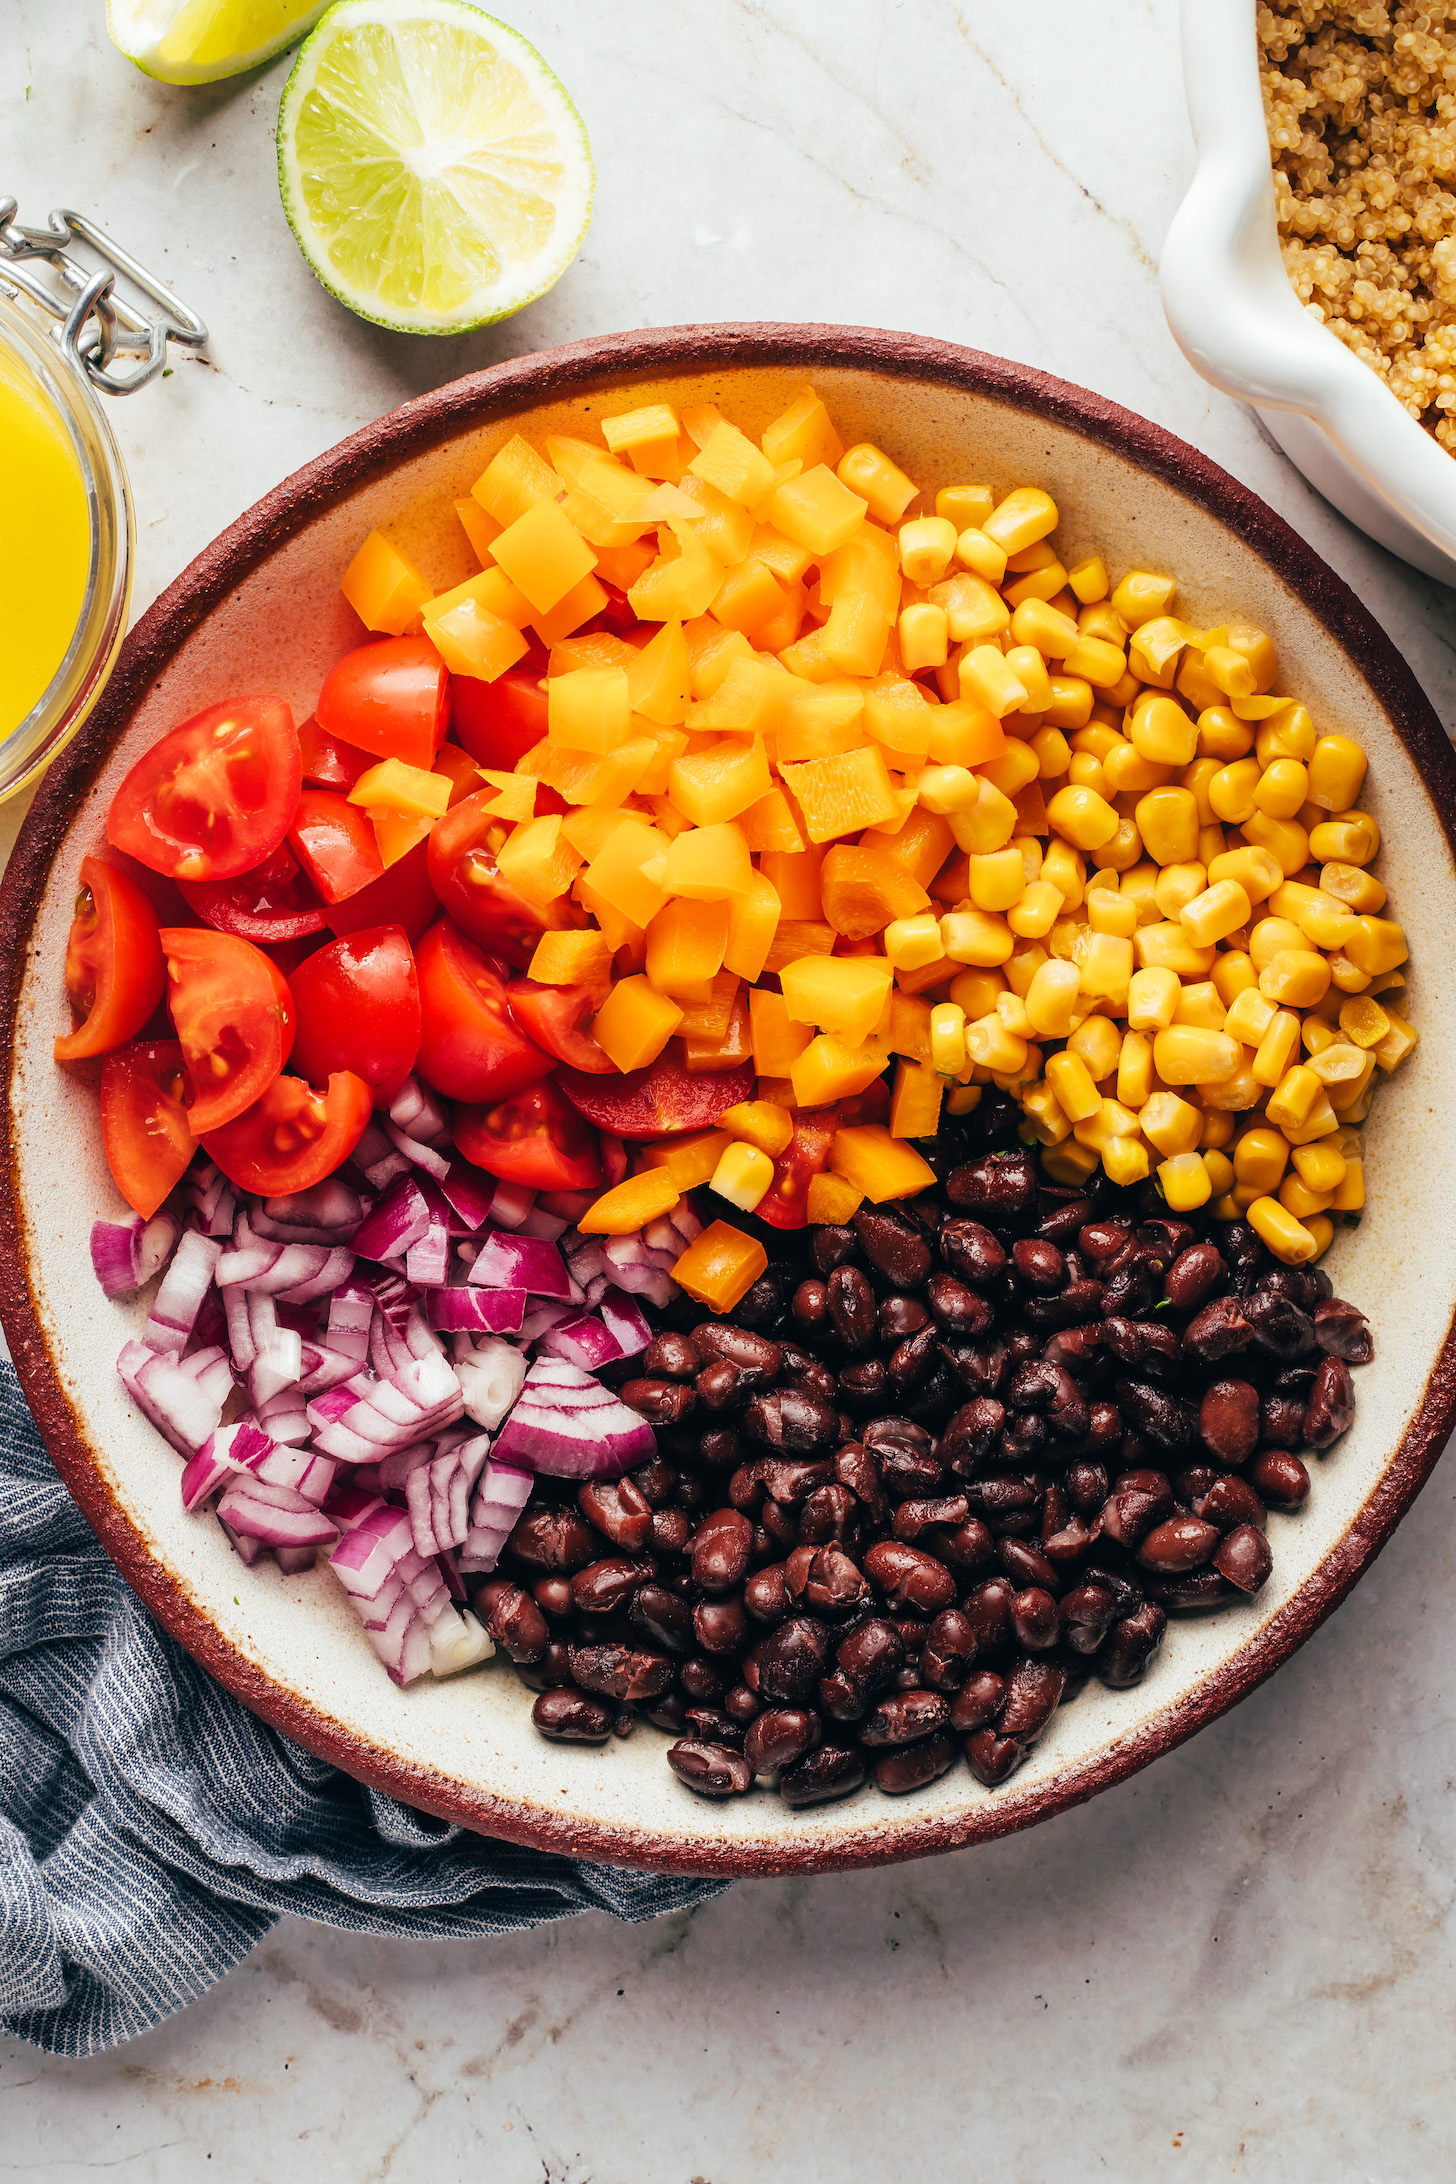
1360	98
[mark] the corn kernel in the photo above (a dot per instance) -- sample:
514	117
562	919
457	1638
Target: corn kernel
1296	1197
868	471
1377	944
1398	1042
1219	1169
1256	871
1278	1049
949	789
1051	999
1218	1131
1088	580
1167	820
1082	817
1071	1081
1353	838
1321	1167
1030	670
1219	910
1153	654
1288	1239
1109	912
1322	1229
1097	661
1021	519
1069	1164
1282	789
1052	633
1350	1191
1126	769
981	555
965	505
1107	967
1053	752
1336	772
988	680
1037	912
1097	1042
1199	1004
1285	840
1044	1112
910	943
976	936
1249	1016
1270	937
1152	997
1169	947
1222	736
1359	891
1294	1097
924	637
1261	1157
993	1047
1185	1182
948	1038
1347	977
1163	733
1176	886
1184	1054
1071	705
1135	1070
1296	978
1126	1161
926	545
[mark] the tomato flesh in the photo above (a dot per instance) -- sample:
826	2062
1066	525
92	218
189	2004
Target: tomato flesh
402	895
536	1139
328	763
556	1017
391	698
784	1204
293	1137
214	797
358	1007
275	902
658	1102
234	1019
144	1128
469	1047
498	722
467	880
115	971
334	841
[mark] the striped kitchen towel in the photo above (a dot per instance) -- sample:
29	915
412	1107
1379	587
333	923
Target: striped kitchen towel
152	1830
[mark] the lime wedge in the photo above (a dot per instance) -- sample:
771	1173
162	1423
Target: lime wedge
199	41
435	174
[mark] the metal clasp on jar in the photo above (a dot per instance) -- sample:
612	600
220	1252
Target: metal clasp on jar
98	327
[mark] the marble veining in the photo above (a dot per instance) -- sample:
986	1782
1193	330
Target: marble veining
1238	1964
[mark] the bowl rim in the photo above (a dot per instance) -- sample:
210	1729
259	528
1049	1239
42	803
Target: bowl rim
366	455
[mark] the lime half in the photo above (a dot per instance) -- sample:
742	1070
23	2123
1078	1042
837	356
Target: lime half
199	41
433	170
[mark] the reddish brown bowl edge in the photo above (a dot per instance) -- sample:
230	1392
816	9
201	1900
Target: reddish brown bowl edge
615	360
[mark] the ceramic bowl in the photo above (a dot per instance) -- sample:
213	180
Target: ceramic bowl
261	610
1238	321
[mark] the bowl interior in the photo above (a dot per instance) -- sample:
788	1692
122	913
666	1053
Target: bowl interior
291	1646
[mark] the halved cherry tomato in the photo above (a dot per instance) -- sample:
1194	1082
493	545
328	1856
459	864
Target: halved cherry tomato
293	1137
402	895
358	1005
536	1139
335	843
328	763
144	1127
275	902
115	974
498	722
555	1017
391	698
469	1048
213	798
784	1204
466	879
658	1102
234	1017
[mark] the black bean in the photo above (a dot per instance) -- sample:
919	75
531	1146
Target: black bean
832	1770
852	1308
619	1510
1036	1621
758	1359
766	1594
974	1256
671	1531
832	1247
603	1587
551	1539
719	1386
857	1469
761	1308
992	1757
620	1672
865	1386
909	1578
1130	1512
779	1736
710	1769
1189	1592
551	1672
1155	1413
912	1766
901	1316
1176	1545
911	1360
1331	1409
1079	1301
1033	1693
1228	1421
810	1306
1280	1479
901	1717
1001	1188
789	1418
978	1701
1243	1557
831	1514
834	1587
1194	1276
1040	1264
663	1617
1086	1481
571	1717
1220	1330
967	1552
1342	1330
1230	1502
791	1660
552	1596
712	1724
908	1472
517	1624
893	1246
655	1481
721	1626
1130	1644
1278	1326
721	1547
1086	1615
670	1357
949	1651
914	1517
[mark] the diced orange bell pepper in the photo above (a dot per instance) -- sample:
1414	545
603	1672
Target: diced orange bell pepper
680	584
544	555
634	1023
473	641
753	920
536	861
658	679
384	587
921	844
777	1040
843	995
690	1161
577	957
629	1206
515	480
769	826
842	795
685	944
581	604
720	1267
803	433
795	937
880	1165
864	889
762	1123
915	1100
727	1049
709	864
628	871
828	1070
718	784
831	1201
796	881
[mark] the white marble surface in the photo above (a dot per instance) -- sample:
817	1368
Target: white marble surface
1238	1964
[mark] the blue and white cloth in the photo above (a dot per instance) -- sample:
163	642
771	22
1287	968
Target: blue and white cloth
152	1830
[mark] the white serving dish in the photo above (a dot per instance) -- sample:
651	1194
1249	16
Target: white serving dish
1238	321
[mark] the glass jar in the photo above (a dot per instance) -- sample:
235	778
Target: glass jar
66	525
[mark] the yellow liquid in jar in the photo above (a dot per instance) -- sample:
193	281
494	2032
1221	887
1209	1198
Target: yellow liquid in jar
45	542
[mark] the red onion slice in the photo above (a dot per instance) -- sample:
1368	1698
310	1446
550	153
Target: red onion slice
490	1373
179	1406
501	1493
469	1195
624	1322
179	1298
582	1341
400	1218
510	1204
477	1311
568	1425
126	1254
521	1262
276	1515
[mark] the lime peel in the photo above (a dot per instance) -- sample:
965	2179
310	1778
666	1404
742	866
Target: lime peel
434	172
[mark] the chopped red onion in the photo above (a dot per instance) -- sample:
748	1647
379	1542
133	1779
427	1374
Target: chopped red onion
582	1341
210	1196
510	1204
428	1157
376	1159
277	1351
567	1424
335	1265
351	1309
370	1550
458	1640
246	1549
126	1254
544	1316
500	1495
469	1194
178	1404
482	1311
179	1298
212	1372
547	1226
490	1373
416	1108
327	1214
623	1322
322	1368
292	1561
283	1416
521	1262
400	1218
278	1516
